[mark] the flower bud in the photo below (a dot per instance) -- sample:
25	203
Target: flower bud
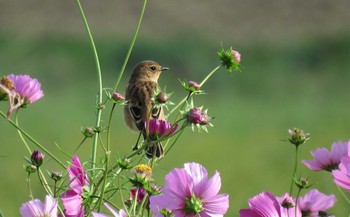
236	55
138	193
162	97
194	85
31	168
143	172
195	115
298	136
118	97
88	132
57	176
288	203
37	158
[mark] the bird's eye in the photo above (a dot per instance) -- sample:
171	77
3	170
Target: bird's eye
153	68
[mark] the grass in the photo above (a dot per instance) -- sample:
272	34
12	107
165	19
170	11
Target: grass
283	85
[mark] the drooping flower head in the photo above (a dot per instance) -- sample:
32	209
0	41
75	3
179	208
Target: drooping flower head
121	212
267	205
21	90
189	192
315	202
35	208
327	160
160	128
73	198
342	175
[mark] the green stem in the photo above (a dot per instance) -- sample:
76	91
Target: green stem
100	93
29	188
33	140
294	171
296	201
343	194
131	45
44	183
108	152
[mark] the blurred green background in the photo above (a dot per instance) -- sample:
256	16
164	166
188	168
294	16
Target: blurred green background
295	63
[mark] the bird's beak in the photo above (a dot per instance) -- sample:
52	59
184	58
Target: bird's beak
164	68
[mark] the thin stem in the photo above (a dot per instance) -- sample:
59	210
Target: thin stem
29	188
100	93
296	202
343	194
34	141
131	45
43	182
295	170
107	156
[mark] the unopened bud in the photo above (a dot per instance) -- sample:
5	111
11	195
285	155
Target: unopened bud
298	136
31	168
56	176
118	97
162	97
88	132
194	85
37	158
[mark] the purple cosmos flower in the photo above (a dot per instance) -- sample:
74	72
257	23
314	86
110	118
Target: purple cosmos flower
267	205
21	91
121	213
327	160
159	128
35	208
189	192
72	199
315	202
342	175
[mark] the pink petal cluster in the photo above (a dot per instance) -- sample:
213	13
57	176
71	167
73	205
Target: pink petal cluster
27	87
327	160
121	212
159	128
314	202
72	199
24	91
197	116
267	205
35	208
186	183
236	55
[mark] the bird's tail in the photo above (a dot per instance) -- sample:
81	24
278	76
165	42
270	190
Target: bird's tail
155	150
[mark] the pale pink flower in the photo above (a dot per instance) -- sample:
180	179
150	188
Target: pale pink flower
342	175
267	205
35	208
72	199
121	212
327	160
189	192
315	202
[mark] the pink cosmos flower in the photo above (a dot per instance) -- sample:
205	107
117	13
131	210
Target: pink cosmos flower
342	175
72	199
21	90
35	208
327	160
189	192
315	202
121	213
267	205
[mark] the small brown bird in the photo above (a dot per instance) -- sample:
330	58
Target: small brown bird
141	104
